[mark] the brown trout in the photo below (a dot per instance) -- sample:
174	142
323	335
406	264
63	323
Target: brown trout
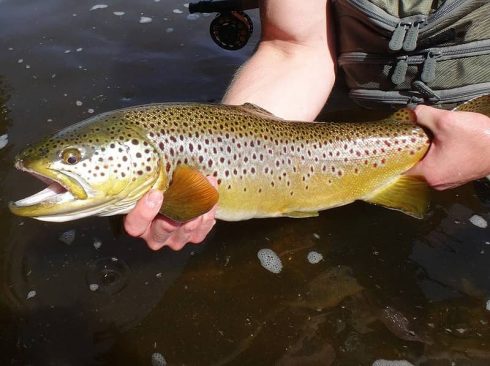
264	166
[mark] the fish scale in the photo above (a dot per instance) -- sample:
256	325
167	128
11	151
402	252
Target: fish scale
264	166
268	167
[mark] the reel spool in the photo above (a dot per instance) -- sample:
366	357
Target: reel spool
231	30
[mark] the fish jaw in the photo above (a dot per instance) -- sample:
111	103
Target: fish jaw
63	189
69	197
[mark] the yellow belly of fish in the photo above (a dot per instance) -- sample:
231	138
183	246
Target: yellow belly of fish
304	193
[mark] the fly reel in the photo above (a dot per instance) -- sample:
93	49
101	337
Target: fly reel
231	30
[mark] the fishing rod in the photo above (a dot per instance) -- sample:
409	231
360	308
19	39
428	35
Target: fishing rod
232	27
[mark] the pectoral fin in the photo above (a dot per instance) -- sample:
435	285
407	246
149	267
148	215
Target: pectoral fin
188	196
408	194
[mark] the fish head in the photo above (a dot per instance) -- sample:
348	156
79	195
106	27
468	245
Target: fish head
91	168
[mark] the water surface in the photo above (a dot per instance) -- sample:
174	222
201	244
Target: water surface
389	287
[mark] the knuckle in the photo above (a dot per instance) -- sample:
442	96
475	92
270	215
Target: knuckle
154	245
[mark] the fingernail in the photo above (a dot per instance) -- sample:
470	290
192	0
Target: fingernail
154	199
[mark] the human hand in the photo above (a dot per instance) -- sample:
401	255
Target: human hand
158	231
460	149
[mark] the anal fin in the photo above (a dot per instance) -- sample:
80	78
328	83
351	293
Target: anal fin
408	194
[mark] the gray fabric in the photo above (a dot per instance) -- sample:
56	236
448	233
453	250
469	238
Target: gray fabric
413	46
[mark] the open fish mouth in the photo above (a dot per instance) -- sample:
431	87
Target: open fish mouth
61	189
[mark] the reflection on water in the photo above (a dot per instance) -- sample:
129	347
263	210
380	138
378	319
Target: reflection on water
388	287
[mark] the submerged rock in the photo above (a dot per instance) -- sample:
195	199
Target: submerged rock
330	288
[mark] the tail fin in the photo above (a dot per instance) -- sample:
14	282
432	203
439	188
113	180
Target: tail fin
477	105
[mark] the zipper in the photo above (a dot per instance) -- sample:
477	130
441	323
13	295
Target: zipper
445	9
446	96
475	48
428	58
404	31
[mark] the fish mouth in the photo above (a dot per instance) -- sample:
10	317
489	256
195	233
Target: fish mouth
61	189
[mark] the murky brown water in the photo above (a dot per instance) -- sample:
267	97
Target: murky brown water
389	287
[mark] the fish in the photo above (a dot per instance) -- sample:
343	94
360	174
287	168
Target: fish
264	166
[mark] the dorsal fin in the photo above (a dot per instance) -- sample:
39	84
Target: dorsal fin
188	196
255	109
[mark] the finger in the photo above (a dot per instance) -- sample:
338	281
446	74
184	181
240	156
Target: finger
139	219
208	222
429	117
159	232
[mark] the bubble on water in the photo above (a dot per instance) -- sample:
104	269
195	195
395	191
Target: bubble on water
67	51
186	5
270	260
177	11
97	243
3	141
90	110
119	13
157	359
169	30
193	16
392	363
99	6
79	49
31	294
314	257
478	221
68	237
93	287
144	20
78	103
487	306
20	60
28	66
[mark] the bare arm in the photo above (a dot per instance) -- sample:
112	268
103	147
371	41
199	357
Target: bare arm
292	72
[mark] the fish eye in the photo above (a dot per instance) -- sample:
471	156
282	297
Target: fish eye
71	156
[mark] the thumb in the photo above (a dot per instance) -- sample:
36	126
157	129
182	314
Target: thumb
429	117
141	216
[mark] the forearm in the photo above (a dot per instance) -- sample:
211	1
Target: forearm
290	81
292	72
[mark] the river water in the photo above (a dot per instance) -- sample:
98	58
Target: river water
84	293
